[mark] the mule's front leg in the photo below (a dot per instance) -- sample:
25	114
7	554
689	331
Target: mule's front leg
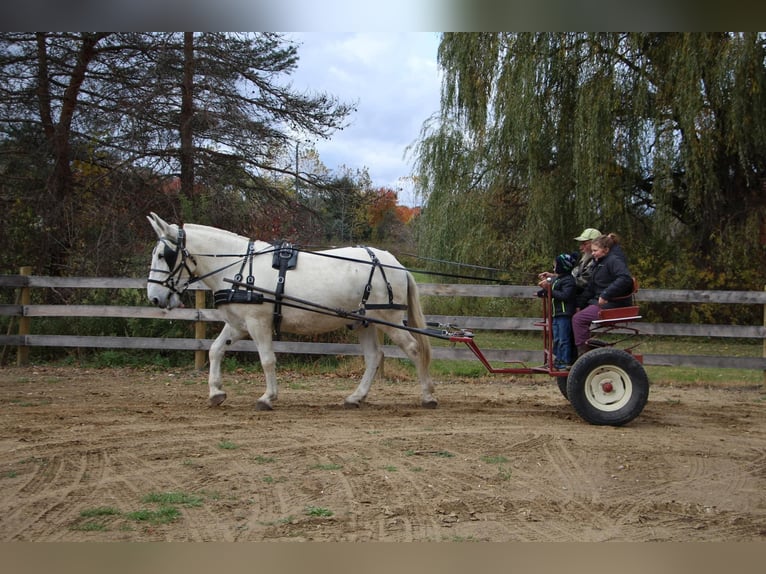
217	350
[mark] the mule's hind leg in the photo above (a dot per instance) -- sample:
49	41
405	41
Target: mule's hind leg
217	350
409	344
260	332
373	355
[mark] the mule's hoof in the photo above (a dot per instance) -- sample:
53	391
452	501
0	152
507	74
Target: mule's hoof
216	400
350	405
263	406
432	404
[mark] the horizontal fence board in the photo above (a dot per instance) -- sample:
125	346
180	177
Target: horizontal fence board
465	322
438	289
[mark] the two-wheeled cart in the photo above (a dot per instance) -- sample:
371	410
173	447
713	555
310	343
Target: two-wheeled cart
606	385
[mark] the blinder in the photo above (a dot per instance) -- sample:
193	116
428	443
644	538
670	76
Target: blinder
170	254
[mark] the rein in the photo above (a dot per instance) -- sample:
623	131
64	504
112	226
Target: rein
174	249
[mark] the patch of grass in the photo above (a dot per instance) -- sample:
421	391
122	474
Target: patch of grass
318	511
260	459
330	466
9	474
504	473
164	515
702	376
390	468
227	445
494	459
94	519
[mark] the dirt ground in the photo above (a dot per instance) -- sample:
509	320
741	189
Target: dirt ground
137	455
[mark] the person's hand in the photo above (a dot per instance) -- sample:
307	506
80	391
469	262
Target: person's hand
602	301
546	283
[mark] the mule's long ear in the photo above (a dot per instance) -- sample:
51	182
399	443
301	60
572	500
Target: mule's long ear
161	227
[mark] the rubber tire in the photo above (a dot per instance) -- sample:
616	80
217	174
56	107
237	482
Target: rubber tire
562	382
627	376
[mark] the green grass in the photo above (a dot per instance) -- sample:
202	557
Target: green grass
328	466
318	511
164	515
98	519
494	459
100	511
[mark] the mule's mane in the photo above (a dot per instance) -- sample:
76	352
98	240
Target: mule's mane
212	230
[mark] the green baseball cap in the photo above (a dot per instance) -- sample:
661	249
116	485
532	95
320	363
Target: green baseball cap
588	235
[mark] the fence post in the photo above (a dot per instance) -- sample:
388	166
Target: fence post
22	352
199	329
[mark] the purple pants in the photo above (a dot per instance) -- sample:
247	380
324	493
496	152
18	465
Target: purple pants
581	323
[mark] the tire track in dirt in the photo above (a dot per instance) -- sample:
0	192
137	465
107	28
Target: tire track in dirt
43	505
488	464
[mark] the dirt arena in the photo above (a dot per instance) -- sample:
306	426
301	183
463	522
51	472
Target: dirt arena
136	455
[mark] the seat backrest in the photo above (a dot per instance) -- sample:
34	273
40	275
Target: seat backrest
631	294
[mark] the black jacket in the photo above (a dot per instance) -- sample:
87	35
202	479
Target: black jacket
563	295
610	279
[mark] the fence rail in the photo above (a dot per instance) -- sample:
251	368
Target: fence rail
23	339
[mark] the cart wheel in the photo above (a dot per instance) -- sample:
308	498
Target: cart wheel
562	381
608	386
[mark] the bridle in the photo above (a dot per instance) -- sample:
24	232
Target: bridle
176	268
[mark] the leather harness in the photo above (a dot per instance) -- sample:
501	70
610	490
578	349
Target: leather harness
285	258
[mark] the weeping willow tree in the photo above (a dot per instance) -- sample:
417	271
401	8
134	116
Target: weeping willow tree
659	137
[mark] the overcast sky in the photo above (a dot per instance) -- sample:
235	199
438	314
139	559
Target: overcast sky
392	77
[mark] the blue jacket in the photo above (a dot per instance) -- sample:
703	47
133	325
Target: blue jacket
611	278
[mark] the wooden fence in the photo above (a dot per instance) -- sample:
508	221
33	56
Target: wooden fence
24	311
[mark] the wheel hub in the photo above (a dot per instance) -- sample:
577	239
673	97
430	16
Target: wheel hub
607	387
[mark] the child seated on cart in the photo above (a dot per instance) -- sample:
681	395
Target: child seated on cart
563	294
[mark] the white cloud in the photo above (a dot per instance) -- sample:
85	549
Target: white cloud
393	79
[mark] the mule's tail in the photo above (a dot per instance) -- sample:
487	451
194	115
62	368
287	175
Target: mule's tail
416	318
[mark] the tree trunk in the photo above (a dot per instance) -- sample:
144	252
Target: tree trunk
187	115
60	183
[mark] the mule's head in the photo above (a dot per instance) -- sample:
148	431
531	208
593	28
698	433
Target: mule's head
169	273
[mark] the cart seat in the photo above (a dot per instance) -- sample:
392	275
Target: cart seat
617	315
620	314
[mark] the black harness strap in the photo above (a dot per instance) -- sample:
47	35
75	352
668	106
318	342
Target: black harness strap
368	288
239	293
285	257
